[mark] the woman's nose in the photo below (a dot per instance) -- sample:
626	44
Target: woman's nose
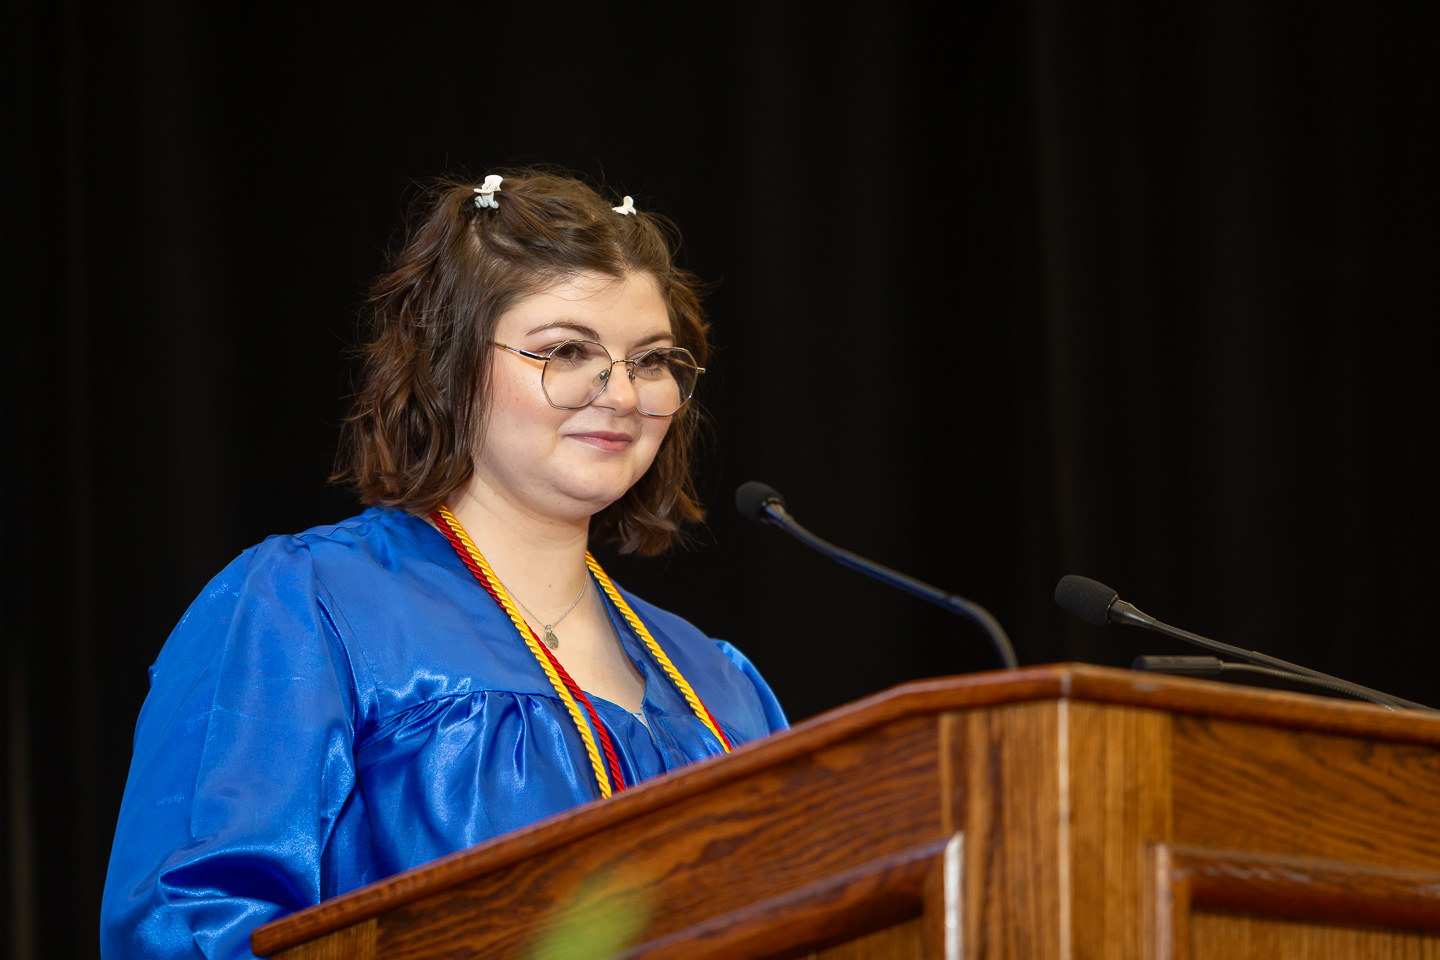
619	393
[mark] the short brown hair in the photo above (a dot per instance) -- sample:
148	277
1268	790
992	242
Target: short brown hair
410	440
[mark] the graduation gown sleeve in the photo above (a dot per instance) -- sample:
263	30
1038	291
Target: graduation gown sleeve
242	765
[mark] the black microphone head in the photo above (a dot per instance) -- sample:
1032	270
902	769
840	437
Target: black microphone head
751	498
1085	598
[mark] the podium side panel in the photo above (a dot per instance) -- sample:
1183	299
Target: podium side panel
1120	793
1230	904
1261	789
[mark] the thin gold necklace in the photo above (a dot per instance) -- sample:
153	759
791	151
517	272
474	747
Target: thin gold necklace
548	629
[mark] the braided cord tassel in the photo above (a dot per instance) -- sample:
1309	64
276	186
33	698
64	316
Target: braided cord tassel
681	684
565	688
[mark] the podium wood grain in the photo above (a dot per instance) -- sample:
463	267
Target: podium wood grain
1087	813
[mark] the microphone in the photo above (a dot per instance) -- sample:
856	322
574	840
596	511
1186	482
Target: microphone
763	504
1097	604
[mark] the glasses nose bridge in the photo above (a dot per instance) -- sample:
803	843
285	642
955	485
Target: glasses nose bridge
629	370
629	376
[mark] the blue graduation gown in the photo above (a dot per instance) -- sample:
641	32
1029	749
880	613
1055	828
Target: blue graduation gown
348	703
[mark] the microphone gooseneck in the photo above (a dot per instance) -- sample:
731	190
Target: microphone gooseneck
763	504
1097	604
1213	668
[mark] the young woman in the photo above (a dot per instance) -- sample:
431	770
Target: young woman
344	704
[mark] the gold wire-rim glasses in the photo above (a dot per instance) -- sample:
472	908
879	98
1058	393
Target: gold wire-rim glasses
630	364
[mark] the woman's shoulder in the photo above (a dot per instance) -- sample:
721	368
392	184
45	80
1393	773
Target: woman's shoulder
280	580
288	584
378	535
381	594
354	556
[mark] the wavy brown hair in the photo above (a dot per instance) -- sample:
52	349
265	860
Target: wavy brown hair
416	424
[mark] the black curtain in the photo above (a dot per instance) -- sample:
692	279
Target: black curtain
1145	292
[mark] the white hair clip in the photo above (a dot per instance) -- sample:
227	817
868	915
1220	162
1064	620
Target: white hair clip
626	208
486	193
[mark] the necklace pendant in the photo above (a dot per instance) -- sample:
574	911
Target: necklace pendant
552	641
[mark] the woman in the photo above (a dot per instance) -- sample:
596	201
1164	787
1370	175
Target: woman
350	702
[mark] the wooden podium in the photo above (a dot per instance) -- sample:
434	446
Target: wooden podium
1050	812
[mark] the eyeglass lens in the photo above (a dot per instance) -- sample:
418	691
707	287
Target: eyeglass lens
578	370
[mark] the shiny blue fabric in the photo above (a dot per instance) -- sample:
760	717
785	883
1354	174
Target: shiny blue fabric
345	704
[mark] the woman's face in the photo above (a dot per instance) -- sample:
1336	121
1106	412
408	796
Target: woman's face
570	464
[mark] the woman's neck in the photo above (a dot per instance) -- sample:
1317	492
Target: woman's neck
540	560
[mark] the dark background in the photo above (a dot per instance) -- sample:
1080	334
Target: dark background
1146	292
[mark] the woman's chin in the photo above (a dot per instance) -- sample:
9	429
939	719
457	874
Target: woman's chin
580	502
595	491
597	502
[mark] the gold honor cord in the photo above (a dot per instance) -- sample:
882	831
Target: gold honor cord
681	684
469	553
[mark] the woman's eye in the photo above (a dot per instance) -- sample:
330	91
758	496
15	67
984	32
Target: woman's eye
569	352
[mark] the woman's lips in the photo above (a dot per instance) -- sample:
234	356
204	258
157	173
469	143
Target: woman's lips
604	440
